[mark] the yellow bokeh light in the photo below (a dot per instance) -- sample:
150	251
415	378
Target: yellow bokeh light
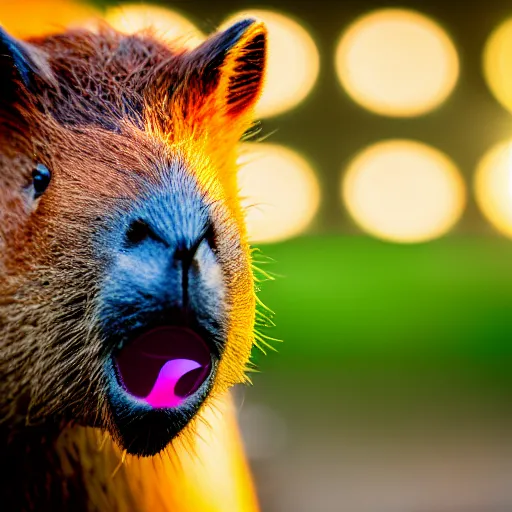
168	25
397	62
279	191
497	59
293	62
34	17
404	191
493	186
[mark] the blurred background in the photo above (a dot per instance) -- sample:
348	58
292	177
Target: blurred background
381	199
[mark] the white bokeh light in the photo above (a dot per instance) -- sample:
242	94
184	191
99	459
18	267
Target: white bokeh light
493	187
279	191
397	62
403	191
167	24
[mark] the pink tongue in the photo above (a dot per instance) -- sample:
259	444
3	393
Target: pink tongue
163	393
164	366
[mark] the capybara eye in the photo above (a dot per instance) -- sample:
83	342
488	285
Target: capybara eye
41	177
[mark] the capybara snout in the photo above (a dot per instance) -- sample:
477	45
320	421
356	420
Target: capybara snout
127	291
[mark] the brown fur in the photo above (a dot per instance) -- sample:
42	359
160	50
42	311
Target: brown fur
106	113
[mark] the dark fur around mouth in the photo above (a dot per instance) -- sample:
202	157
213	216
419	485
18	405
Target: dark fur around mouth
145	431
139	428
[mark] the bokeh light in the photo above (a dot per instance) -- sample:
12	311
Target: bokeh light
497	61
167	24
293	62
397	62
493	186
279	191
403	191
34	17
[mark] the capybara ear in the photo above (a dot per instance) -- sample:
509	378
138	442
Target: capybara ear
22	66
231	65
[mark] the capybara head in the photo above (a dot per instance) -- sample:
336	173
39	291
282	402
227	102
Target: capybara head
126	292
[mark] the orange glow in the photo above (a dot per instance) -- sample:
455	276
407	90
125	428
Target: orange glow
403	191
217	478
397	62
204	470
293	62
33	17
168	24
206	473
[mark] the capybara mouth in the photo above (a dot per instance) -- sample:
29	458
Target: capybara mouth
163	366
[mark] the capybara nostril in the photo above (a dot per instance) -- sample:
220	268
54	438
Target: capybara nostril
139	231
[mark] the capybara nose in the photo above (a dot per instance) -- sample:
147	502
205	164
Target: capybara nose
163	309
142	230
163	254
163	265
164	268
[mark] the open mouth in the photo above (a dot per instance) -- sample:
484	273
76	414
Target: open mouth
164	366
